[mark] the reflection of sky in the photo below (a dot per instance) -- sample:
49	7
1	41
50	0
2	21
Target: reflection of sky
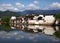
21	36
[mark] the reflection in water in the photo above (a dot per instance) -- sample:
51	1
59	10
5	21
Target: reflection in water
49	30
32	33
5	27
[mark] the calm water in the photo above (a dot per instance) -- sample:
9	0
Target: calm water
28	34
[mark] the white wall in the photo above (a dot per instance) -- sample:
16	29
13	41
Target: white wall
13	17
49	19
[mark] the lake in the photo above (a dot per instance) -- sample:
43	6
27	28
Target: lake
29	34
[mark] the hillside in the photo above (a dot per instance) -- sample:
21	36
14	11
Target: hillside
40	12
9	13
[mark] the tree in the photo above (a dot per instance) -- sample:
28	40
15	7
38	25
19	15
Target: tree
6	19
57	16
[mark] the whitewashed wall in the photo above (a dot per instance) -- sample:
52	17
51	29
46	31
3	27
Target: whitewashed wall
49	19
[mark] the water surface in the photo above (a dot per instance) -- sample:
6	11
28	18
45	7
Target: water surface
28	34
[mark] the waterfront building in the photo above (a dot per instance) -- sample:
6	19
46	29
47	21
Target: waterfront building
41	19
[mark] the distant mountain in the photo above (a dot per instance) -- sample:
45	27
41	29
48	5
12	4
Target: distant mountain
40	12
9	13
37	12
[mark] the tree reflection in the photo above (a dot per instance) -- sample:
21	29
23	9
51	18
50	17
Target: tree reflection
5	27
57	34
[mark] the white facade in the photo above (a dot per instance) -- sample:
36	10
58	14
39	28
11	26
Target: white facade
13	17
49	19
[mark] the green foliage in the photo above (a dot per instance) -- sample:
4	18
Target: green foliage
57	34
6	19
57	16
6	27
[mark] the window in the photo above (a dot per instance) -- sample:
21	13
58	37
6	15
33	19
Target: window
31	18
39	18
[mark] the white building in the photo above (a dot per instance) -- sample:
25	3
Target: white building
48	20
13	17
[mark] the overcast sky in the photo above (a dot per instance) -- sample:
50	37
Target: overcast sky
21	5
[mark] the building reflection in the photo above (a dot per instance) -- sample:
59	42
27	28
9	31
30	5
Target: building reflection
30	32
48	30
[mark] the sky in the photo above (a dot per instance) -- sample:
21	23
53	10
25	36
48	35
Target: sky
21	5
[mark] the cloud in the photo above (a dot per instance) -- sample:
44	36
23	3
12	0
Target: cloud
19	5
2	9
36	2
54	6
32	7
15	9
10	7
5	7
